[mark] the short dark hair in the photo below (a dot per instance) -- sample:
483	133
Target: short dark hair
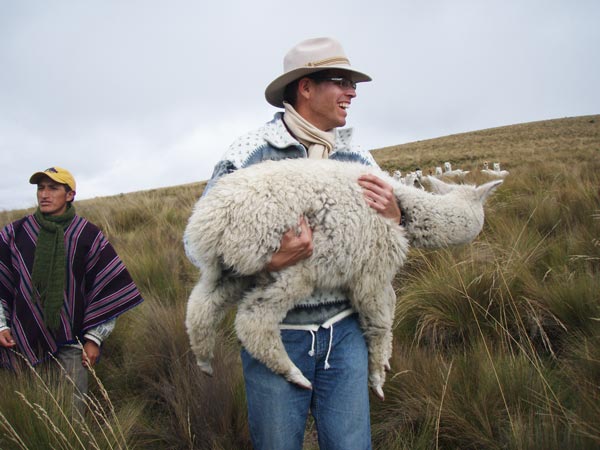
290	94
68	189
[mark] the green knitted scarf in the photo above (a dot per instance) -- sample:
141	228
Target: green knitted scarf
49	265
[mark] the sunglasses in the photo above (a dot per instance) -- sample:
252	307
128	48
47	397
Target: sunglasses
342	82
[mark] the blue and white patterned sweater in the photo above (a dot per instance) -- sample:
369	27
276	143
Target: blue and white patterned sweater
273	141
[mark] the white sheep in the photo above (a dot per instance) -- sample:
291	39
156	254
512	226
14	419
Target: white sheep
236	227
486	169
500	172
496	172
410	179
449	172
419	181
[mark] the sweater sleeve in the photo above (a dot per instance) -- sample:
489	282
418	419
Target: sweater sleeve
222	168
7	280
3	323
100	332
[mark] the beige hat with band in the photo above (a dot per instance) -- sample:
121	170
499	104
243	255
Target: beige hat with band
310	56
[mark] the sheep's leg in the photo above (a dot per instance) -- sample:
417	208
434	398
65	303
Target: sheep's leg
388	301
375	308
207	305
260	313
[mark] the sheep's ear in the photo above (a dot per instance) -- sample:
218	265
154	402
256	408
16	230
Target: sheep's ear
485	190
438	186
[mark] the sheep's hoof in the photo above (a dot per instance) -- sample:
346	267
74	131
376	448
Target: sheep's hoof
387	366
296	377
378	390
376	383
205	367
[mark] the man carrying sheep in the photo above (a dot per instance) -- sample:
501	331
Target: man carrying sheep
322	335
61	285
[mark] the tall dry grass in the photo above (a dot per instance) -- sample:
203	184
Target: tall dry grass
38	412
497	344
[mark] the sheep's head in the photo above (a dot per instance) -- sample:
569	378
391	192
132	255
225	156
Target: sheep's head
468	191
450	215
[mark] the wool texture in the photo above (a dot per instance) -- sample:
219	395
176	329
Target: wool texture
236	227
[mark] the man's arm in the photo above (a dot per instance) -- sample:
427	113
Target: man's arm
222	168
380	196
6	339
3	322
294	248
93	340
6	290
90	354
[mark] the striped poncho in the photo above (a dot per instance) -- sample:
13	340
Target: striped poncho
98	288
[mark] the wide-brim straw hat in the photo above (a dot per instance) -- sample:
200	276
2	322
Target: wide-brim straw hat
310	56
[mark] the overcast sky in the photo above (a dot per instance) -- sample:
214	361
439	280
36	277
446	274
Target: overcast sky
132	95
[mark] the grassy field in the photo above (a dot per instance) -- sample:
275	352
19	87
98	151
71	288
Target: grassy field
497	344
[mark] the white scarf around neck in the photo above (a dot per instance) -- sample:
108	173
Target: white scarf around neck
319	143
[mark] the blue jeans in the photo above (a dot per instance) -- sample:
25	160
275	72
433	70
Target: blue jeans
339	400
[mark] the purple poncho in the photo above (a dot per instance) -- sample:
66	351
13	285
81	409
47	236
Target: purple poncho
98	287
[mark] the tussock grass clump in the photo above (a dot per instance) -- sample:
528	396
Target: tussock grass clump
484	398
188	409
38	412
496	342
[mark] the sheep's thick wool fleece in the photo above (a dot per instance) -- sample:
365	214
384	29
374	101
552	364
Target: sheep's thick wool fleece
248	232
239	224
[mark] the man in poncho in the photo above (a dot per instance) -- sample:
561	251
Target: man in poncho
61	283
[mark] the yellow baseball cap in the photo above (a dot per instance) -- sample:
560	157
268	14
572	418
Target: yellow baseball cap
58	174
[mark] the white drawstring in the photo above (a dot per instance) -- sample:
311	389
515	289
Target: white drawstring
312	347
327	366
313	329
